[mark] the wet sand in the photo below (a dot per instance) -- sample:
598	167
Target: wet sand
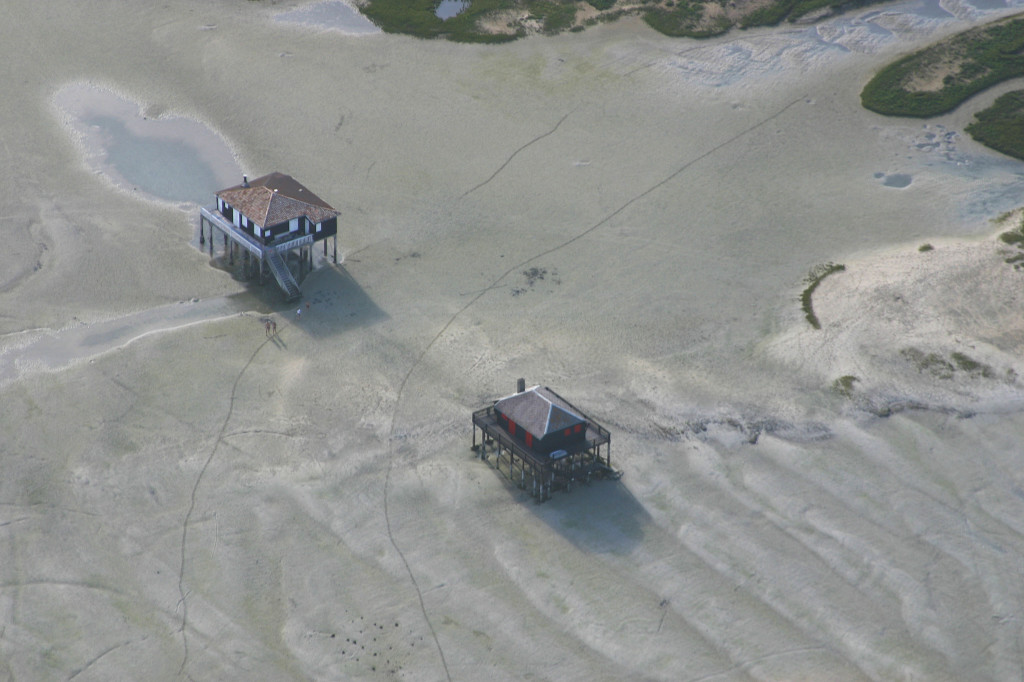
623	217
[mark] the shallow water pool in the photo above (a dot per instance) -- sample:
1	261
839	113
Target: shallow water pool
449	8
332	14
167	168
169	158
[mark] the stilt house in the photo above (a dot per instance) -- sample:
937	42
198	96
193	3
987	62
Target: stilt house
276	208
539	419
551	442
269	217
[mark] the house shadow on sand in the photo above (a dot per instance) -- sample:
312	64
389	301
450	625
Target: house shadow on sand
602	517
332	301
557	454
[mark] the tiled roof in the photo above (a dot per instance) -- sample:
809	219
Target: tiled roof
276	198
539	411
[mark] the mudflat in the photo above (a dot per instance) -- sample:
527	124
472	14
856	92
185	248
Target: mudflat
626	218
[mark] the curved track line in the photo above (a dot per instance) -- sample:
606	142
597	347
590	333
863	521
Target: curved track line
192	505
480	294
97	657
514	154
405	562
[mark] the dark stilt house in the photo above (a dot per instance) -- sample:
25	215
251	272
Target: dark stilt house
267	219
544	441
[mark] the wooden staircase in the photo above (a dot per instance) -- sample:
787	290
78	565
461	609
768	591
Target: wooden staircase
283	275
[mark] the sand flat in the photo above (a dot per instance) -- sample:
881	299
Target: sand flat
623	217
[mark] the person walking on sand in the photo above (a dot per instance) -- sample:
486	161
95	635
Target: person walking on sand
267	327
298	313
273	327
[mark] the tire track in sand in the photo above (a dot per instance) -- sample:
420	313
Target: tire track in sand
458	313
182	593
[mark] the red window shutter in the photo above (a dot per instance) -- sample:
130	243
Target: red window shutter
511	427
529	439
579	427
568	431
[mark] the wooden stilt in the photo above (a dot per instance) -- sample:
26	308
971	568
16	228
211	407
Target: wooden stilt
335	249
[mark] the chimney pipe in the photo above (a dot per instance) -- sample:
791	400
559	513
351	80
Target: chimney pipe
245	181
520	385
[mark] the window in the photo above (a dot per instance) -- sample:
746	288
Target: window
578	428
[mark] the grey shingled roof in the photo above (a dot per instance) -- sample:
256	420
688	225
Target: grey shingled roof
276	198
539	411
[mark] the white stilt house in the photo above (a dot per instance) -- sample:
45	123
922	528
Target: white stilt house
268	218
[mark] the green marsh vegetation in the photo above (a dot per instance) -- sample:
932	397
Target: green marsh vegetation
813	279
774	13
844	385
504	20
1014	237
943	76
1001	126
940	77
418	18
943	368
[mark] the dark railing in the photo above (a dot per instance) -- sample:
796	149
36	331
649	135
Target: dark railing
487	420
290	244
230	229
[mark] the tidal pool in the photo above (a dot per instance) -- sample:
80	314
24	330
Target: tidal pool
449	8
168	158
333	14
898	180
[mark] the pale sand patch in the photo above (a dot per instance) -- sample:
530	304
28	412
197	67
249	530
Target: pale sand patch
503	22
934	79
899	322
